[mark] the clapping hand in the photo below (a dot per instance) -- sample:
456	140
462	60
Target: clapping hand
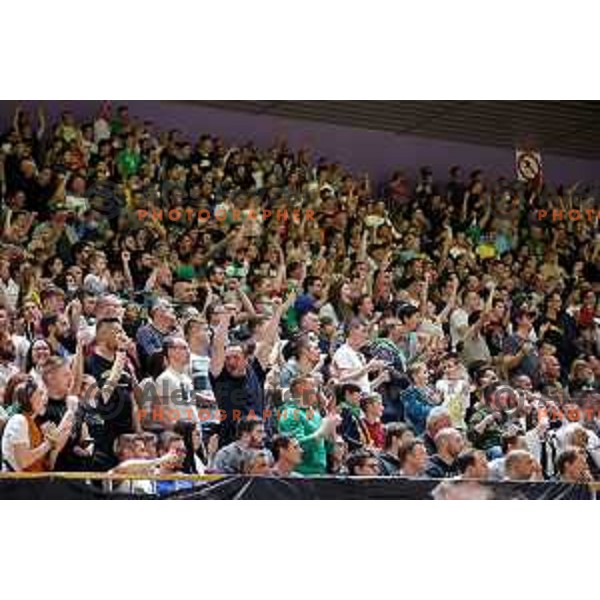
330	423
72	403
427	278
74	308
125	342
120	361
84	336
376	365
171	460
51	434
224	320
385	377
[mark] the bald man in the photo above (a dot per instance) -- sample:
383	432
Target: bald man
449	443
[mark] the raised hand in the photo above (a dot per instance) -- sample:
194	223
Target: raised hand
66	425
224	320
74	308
290	300
72	403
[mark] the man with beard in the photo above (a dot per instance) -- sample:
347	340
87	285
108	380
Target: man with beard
238	371
520	354
311	299
117	382
185	293
495	327
449	444
490	421
56	329
53	301
386	348
230	458
63	406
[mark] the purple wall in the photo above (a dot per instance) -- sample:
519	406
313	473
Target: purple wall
376	152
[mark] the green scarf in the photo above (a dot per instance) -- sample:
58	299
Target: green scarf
354	410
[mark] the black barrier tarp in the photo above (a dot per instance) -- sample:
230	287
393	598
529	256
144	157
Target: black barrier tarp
54	489
332	488
266	488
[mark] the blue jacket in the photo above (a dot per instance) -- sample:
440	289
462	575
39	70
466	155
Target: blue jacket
416	408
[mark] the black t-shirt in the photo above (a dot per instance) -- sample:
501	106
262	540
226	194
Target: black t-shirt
67	460
16	181
455	192
117	412
244	394
204	160
139	273
591	272
439	469
495	333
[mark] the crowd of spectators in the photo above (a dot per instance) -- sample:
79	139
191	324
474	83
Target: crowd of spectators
428	328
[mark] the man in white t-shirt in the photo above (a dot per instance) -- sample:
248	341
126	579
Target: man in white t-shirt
174	386
9	289
454	389
197	335
349	364
459	319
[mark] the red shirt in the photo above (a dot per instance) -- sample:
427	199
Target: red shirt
376	433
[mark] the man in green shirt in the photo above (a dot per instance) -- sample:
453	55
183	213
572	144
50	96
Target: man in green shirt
129	159
300	418
488	423
295	278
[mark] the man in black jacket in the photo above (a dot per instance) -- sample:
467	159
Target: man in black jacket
352	428
449	444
